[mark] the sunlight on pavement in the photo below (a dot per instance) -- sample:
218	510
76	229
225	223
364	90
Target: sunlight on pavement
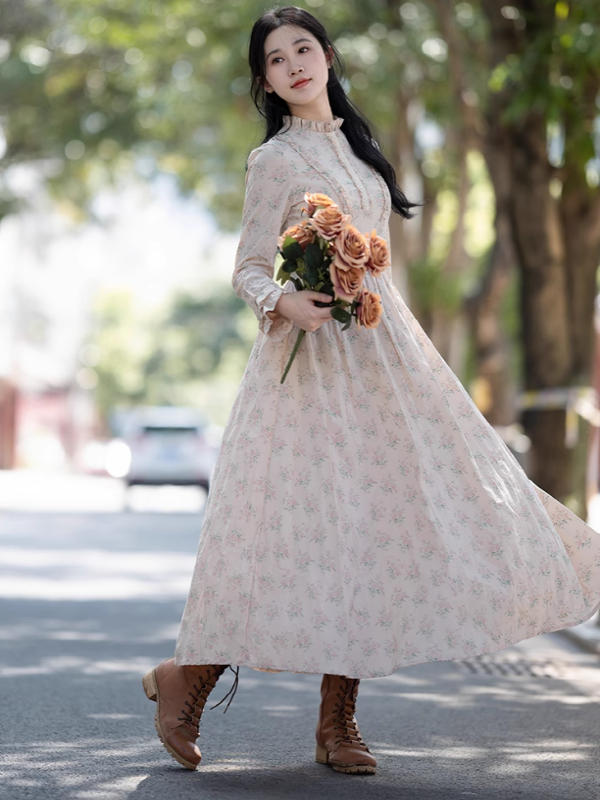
112	790
59	665
31	490
93	574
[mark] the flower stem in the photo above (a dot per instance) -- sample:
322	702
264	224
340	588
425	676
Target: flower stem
301	336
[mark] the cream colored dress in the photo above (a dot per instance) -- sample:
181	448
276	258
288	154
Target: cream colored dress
364	516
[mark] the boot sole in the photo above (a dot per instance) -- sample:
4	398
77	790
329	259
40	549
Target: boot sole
151	692
322	757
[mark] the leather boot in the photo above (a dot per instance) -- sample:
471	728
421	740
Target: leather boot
339	742
180	694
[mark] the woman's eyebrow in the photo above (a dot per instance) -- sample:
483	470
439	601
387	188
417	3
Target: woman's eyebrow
278	49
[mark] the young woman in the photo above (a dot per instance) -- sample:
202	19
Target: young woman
363	516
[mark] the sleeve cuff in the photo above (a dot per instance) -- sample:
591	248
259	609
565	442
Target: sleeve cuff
279	326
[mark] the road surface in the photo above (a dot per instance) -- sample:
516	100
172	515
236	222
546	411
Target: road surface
89	601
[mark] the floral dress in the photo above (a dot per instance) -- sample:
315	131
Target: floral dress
364	516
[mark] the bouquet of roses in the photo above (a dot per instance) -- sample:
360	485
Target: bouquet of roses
325	253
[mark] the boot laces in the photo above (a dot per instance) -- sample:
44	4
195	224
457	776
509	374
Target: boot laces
232	691
347	727
200	694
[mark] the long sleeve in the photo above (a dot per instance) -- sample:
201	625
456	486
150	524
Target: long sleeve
267	205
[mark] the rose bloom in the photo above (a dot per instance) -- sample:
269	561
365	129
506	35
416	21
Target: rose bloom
346	283
368	309
316	199
379	255
328	222
302	233
350	249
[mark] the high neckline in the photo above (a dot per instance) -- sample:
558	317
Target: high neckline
321	126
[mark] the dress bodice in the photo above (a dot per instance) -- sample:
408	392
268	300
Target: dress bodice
304	156
328	164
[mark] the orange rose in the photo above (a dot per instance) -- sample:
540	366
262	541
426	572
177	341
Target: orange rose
368	309
329	221
315	200
379	256
302	233
346	283
350	249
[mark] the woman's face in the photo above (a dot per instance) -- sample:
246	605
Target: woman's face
292	55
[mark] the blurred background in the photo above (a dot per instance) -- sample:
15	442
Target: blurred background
124	130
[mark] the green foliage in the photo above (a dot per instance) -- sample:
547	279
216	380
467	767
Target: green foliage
432	288
159	357
340	314
292	250
313	260
556	71
97	88
93	90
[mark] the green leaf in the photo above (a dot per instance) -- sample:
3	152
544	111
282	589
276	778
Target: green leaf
292	251
347	325
340	314
313	257
312	260
285	270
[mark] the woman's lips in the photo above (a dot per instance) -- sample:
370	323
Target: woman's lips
300	84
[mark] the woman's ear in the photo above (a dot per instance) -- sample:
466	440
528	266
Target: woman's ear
266	85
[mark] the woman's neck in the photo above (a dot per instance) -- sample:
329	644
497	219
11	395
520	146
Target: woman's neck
317	111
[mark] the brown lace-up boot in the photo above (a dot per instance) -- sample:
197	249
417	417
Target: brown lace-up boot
339	742
180	694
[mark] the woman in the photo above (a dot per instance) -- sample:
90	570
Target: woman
363	516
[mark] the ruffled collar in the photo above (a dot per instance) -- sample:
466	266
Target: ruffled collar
324	126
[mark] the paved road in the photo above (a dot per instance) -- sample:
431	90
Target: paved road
88	602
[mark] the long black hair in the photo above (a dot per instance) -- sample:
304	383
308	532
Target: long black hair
356	126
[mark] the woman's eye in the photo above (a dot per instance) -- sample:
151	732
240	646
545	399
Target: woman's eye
277	58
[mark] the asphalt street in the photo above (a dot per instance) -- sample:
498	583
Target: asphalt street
90	601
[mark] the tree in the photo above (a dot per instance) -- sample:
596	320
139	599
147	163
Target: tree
544	161
162	357
90	90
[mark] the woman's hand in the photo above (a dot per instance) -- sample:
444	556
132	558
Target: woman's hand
300	308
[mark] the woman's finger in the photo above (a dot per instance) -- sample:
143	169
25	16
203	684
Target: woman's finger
320	296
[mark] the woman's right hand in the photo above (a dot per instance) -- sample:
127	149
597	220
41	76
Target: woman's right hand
300	308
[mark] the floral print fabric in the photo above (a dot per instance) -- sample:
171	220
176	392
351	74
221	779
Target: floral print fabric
364	516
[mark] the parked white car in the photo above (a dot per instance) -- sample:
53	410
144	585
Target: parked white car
168	445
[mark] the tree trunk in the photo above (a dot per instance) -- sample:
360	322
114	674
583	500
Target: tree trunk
495	390
8	423
448	330
447	326
557	247
407	241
